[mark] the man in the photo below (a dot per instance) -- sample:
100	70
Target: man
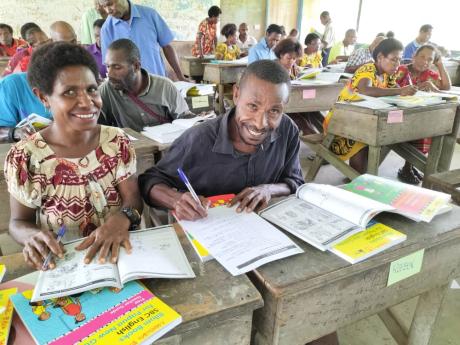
8	44
95	48
342	50
328	37
146	28
244	40
423	37
61	31
18	102
87	34
134	98
252	151
362	56
264	49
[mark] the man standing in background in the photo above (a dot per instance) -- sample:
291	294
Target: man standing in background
328	37
87	36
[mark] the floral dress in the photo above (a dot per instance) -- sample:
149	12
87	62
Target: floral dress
207	33
226	52
77	192
312	59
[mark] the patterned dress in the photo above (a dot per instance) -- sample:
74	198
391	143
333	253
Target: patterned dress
312	59
347	148
404	77
77	192
225	52
208	38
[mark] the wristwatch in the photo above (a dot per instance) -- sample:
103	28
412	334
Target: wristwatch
133	215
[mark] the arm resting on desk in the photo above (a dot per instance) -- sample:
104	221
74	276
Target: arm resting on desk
365	87
171	56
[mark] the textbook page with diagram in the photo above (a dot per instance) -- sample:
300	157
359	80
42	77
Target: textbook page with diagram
156	253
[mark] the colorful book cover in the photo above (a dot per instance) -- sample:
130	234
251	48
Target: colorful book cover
6	314
376	238
2	272
67	320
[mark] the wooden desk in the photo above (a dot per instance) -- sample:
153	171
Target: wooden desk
216	308
193	66
324	98
221	74
313	294
441	122
453	70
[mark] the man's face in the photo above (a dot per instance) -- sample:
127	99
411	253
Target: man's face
351	37
273	39
425	36
259	109
114	8
243	30
324	19
121	73
6	38
97	35
36	39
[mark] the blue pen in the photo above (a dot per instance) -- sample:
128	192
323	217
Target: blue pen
188	185
61	234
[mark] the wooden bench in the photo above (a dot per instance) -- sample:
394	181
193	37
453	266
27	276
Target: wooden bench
447	182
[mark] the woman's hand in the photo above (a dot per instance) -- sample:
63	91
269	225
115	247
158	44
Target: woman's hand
427	86
37	247
408	90
108	238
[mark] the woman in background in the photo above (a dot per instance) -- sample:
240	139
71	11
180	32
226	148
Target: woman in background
206	37
228	50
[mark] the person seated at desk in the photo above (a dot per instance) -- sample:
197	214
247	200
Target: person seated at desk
264	49
228	50
95	48
61	31
420	74
362	56
341	51
245	41
18	102
312	55
74	173
288	52
252	151
134	98
372	79
8	44
424	35
206	37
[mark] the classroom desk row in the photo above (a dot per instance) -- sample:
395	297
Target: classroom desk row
301	298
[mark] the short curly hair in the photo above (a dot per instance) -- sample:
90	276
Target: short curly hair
288	46
49	59
311	37
228	30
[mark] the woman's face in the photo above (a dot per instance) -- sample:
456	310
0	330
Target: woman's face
314	45
75	101
423	60
390	63
288	60
232	39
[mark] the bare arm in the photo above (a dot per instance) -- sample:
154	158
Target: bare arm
365	87
444	83
351	69
171	56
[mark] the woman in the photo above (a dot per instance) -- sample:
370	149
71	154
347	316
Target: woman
74	173
206	37
312	57
420	74
288	51
228	50
372	79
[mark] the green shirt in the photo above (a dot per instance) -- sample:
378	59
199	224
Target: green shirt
87	22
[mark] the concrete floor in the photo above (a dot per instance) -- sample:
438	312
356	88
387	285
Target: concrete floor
372	331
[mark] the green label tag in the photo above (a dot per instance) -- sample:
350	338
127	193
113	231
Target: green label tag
200	102
405	267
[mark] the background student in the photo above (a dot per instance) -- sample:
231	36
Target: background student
228	50
206	37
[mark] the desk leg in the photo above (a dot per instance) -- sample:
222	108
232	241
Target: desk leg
220	89
433	158
425	316
373	160
316	165
448	145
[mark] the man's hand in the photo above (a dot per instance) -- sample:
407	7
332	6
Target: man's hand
37	247
186	208
252	199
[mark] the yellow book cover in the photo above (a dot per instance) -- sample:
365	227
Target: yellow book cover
142	325
376	238
2	272
6	313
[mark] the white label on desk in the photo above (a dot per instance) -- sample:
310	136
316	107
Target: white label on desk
309	94
200	102
395	116
405	267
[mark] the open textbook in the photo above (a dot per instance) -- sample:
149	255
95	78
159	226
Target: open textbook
242	241
324	215
156	253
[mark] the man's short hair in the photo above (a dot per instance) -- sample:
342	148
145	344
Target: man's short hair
214	11
98	23
129	47
324	14
27	26
426	28
274	28
267	70
6	26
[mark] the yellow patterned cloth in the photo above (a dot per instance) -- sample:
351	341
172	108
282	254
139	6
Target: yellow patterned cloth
347	148
225	52
312	59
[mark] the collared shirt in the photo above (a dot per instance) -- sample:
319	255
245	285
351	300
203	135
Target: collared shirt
18	101
147	29
19	62
328	35
410	50
87	26
96	52
339	49
11	50
261	52
213	166
160	95
360	57
250	41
